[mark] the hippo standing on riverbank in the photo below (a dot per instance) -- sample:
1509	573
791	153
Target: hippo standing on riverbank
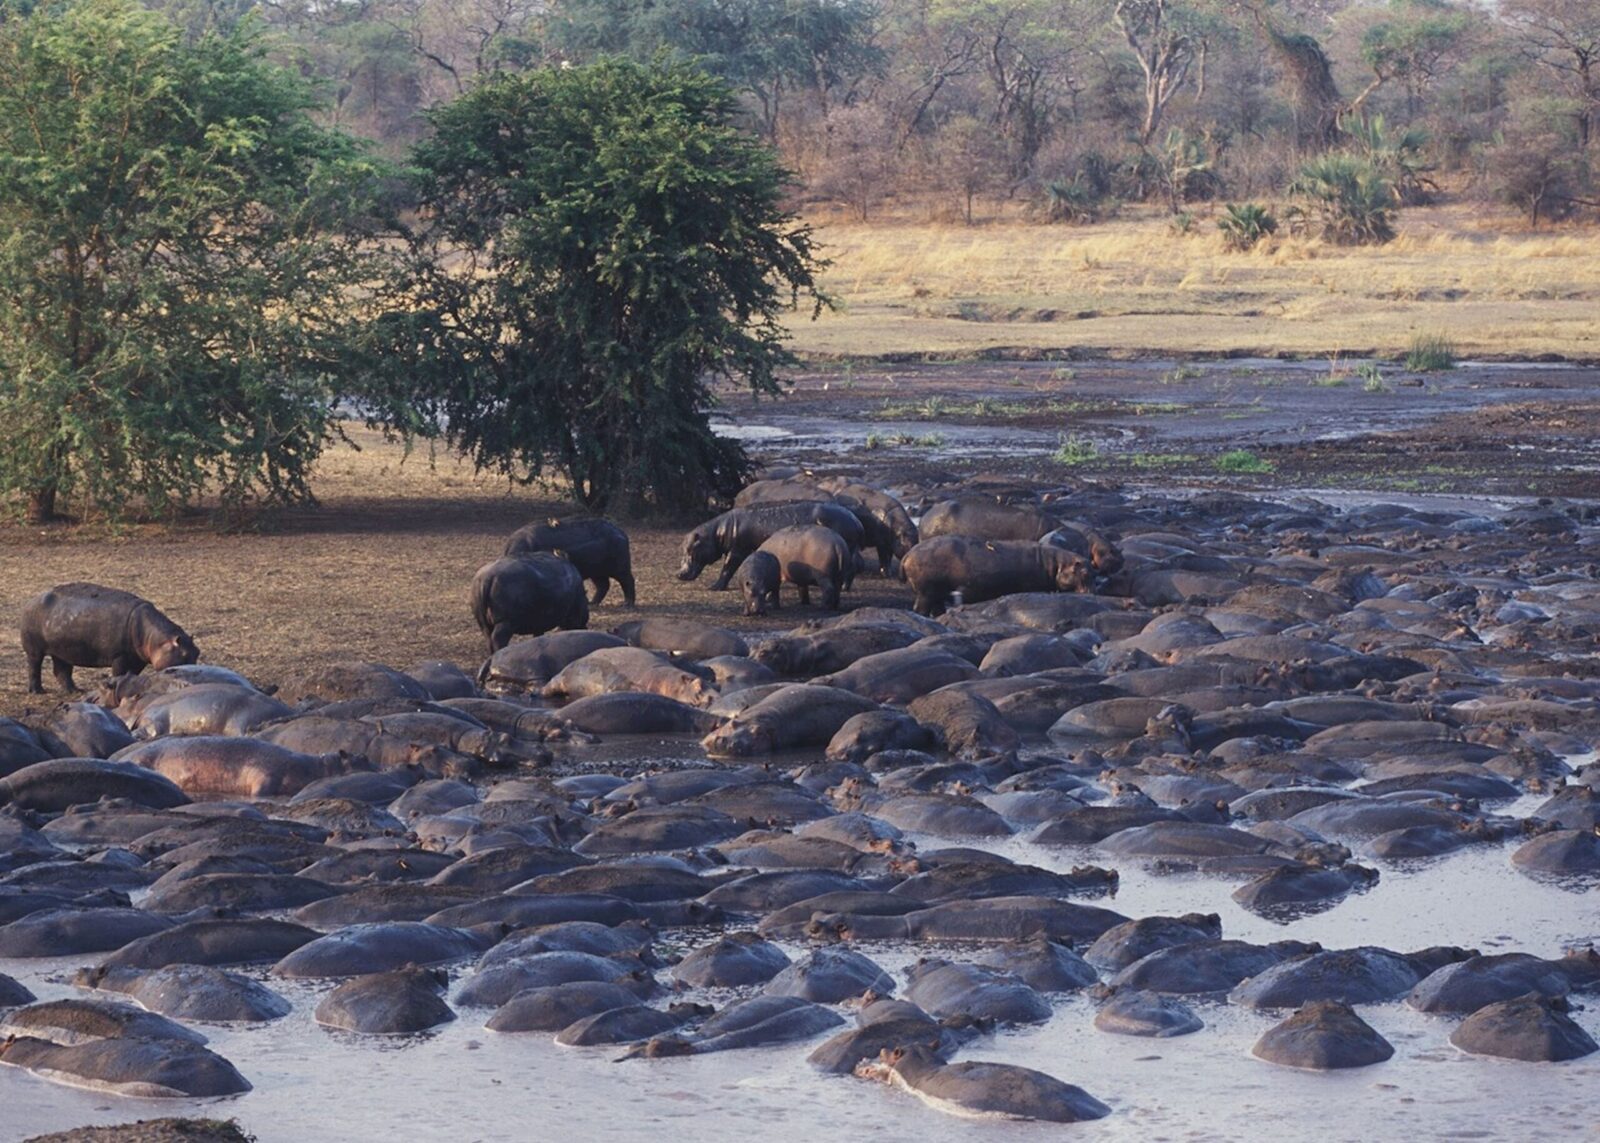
86	625
742	531
597	548
527	595
982	570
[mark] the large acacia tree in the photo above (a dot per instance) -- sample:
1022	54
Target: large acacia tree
598	245
178	245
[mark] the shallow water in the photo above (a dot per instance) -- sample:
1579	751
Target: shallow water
464	1083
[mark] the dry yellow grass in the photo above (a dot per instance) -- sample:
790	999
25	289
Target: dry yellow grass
1131	285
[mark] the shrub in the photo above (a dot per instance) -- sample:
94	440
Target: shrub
1351	202
1075	449
1243	225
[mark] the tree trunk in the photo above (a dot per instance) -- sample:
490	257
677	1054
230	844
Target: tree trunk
42	504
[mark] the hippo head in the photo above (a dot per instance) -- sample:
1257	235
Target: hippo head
177	651
739	739
699	550
1073	573
1104	555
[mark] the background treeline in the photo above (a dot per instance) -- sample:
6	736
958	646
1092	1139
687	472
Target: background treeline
1064	107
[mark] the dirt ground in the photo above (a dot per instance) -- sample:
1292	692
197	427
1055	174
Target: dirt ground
380	570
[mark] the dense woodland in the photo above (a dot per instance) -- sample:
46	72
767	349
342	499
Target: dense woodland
1064	107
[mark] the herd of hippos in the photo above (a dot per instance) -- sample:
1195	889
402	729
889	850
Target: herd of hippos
1278	694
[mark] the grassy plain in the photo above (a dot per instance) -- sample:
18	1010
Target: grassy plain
1133	285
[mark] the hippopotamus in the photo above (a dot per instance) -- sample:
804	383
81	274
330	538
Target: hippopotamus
75	1021
1094	824
68	930
792	718
190	992
864	735
443	680
938	568
634	712
393	901
902	675
1294	889
655	828
964	723
1465	986
360	949
628	1025
1323	1035
1042	964
82	730
597	548
618	669
527	595
213	942
148	1069
498	869
1350	976
751	1023
806	654
884	1024
209	708
831	976
944	815
811	556
406	1000
13	994
243	767
86	625
993	920
894	533
985	520
681	638
730	961
1141	1013
1562	851
521	911
318	735
553	1007
742	531
758	579
634	881
238	892
956	879
1533	1027
944	989
529	664
1205	966
50	787
983	1089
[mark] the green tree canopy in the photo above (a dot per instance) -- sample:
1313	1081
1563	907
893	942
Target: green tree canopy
178	243
602	244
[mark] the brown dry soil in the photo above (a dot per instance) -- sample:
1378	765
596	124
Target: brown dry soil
153	1131
380	570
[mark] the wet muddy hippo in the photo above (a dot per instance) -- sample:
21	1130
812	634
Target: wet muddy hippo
191	992
358	950
791	718
938	568
682	638
626	712
218	942
985	520
895	533
86	625
751	1023
527	595
902	675
738	533
1322	1036
69	931
243	767
50	787
529	664
597	548
83	730
1533	1028
1135	1012
628	1025
1465	986
148	1069
1204	966
964	723
209	708
406	1000
994	920
805	654
758	579
944	989
1042	964
831	976
1350	976
552	1008
730	961
973	1088
619	669
812	557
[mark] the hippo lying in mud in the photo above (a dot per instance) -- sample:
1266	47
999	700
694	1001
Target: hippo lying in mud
597	548
983	1089
527	595
86	625
981	570
742	531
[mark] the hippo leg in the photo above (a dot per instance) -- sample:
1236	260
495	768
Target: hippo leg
62	670
601	585
625	578
886	559
735	558
34	651
499	637
830	594
929	603
805	593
